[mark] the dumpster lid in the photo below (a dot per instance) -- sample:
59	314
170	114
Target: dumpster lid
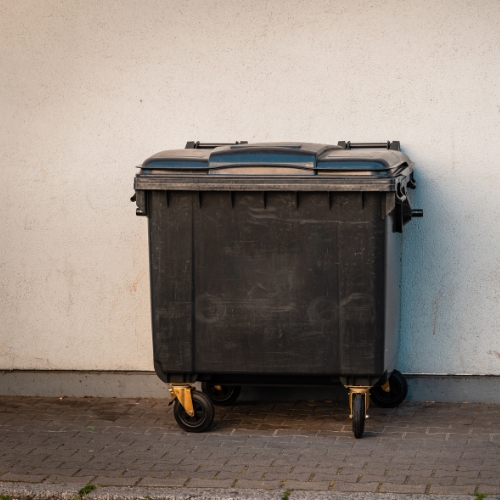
291	155
367	159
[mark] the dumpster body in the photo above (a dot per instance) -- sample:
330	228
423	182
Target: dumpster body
275	264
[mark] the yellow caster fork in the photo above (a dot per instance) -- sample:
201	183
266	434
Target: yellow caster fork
183	394
386	387
193	410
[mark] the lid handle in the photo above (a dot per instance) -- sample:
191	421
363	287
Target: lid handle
210	145
394	145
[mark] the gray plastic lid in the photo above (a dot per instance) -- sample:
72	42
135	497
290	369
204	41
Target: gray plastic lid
288	155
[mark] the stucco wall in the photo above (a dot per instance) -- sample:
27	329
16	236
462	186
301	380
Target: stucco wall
89	89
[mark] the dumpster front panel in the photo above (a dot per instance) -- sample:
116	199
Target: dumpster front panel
266	279
276	282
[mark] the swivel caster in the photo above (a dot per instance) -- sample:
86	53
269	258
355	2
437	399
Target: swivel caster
193	410
221	395
392	393
359	400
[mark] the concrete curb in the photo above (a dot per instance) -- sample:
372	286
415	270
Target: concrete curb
135	384
27	491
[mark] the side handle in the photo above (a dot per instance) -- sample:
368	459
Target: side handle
404	214
142	203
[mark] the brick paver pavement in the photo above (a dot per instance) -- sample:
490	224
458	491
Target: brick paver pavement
416	448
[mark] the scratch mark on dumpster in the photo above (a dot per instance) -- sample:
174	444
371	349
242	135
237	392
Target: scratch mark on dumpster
209	308
494	353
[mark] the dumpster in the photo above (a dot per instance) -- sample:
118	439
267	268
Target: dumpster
276	264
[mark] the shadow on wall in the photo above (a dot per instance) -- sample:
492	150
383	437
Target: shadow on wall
433	278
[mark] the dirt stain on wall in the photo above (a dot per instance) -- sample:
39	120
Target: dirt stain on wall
137	279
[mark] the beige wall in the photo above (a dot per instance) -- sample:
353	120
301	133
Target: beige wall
89	89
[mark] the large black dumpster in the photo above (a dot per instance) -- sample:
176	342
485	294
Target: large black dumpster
276	264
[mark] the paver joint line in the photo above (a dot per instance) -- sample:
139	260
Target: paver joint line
416	449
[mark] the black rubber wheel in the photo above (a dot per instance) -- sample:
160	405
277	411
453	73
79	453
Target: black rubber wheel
204	413
221	395
358	415
399	390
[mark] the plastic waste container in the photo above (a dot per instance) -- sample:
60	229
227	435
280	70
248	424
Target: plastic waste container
276	264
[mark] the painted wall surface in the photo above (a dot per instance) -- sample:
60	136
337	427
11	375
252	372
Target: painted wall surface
90	89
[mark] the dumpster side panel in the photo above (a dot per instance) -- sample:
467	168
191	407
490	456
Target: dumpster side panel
361	259
170	234
393	257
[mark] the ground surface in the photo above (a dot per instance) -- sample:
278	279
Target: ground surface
416	448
